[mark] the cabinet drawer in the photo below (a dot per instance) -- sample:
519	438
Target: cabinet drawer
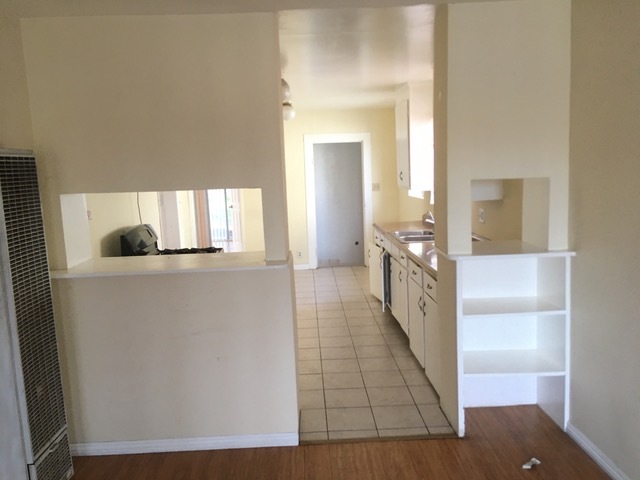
415	272
393	250
378	238
402	258
397	253
431	287
383	241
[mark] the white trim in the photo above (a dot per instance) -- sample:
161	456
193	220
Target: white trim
596	454
309	140
302	267
184	444
10	152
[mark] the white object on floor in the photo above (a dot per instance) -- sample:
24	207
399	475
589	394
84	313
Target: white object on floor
531	463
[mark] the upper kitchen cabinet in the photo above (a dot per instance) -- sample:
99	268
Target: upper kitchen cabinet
414	136
402	143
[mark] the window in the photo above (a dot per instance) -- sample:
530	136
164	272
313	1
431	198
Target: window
217	213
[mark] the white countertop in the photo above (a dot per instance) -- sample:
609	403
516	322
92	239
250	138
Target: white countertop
163	264
423	253
426	254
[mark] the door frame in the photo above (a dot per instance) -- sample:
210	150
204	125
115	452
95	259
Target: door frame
364	139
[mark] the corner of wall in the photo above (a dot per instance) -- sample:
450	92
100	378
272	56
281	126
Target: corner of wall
15	115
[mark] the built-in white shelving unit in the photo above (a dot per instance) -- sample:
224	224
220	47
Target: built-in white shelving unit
513	322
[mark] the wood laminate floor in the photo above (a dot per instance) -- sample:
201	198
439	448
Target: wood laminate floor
499	441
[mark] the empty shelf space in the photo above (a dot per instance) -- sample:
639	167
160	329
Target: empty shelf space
512	362
508	306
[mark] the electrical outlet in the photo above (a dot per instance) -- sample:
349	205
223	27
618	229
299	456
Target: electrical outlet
375	187
481	215
299	254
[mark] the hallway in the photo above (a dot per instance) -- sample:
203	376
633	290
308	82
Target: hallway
356	374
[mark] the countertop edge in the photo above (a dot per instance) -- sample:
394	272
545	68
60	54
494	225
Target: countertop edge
170	264
480	250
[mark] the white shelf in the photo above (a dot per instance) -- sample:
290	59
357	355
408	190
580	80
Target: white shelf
513	362
509	306
513	313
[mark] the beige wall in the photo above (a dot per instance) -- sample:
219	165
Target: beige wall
501	110
160	103
176	356
605	169
251	219
441	123
388	204
185	214
411	208
111	214
114	109
507	102
15	117
503	218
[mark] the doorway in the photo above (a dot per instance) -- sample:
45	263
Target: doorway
339	216
339	224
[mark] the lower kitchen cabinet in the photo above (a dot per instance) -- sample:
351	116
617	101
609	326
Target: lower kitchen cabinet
399	294
413	303
432	341
424	326
375	271
416	319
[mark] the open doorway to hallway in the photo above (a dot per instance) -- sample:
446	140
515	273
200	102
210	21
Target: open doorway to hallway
339	212
338	186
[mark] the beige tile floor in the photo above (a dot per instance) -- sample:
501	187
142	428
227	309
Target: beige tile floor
356	374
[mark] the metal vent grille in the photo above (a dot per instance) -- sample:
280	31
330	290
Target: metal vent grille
56	465
32	300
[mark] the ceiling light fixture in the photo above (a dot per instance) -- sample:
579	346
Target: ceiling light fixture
288	112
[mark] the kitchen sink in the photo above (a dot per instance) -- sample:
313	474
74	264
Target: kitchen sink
408	236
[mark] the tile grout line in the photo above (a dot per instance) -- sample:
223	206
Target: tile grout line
324	395
403	380
364	385
347	284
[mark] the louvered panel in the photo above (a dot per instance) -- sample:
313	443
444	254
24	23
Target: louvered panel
32	305
55	465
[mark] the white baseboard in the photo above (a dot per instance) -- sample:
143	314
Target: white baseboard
302	267
184	444
596	454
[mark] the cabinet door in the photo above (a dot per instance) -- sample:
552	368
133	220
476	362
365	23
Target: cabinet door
421	136
375	271
399	293
402	143
416	321
432	340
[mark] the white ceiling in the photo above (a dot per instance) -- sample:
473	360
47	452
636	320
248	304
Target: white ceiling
340	55
349	58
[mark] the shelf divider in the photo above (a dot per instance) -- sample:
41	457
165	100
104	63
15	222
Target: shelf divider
514	362
509	306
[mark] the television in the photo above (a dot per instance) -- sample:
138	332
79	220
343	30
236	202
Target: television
140	240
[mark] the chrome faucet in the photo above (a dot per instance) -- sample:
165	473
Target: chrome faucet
428	218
